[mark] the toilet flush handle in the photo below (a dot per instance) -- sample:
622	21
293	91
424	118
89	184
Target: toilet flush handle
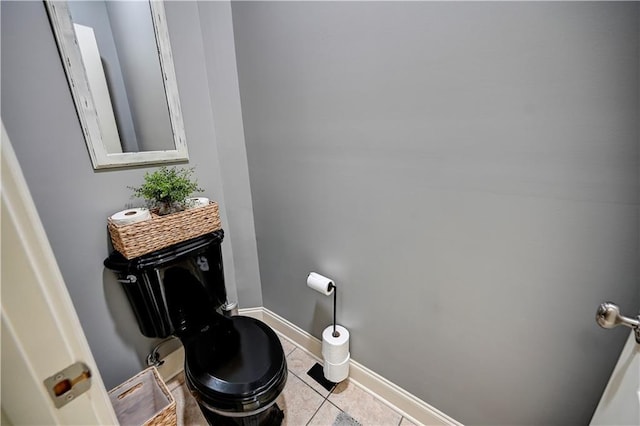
608	316
130	279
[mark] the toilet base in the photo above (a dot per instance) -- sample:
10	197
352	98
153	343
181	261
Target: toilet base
271	417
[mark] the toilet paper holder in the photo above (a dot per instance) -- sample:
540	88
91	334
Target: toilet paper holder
325	286
332	286
335	338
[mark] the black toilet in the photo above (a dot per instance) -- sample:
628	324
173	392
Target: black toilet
234	365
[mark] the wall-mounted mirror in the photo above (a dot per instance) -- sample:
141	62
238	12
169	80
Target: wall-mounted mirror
118	61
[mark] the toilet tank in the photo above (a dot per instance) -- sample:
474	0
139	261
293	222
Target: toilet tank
153	287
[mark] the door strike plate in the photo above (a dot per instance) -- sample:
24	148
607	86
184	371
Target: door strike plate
68	384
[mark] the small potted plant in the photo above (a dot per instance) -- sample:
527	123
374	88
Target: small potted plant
166	189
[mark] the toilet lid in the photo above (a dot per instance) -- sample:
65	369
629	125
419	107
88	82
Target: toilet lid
244	373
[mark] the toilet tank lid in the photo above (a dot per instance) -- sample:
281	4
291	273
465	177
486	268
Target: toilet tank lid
117	262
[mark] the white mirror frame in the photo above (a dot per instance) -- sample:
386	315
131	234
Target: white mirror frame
62	25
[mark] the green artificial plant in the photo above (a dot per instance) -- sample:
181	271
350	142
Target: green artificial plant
167	189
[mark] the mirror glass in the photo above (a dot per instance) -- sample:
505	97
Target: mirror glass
118	61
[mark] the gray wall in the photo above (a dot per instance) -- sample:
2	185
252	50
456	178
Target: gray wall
468	174
74	201
450	165
222	77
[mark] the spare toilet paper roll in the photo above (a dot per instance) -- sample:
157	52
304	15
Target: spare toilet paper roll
320	284
129	216
196	202
335	349
336	372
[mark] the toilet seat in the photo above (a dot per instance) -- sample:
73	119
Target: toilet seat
242	376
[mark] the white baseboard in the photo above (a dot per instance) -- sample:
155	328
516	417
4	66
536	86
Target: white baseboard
256	313
411	406
173	365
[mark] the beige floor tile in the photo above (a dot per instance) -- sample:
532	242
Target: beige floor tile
326	415
298	401
302	397
362	406
175	382
287	346
299	362
187	409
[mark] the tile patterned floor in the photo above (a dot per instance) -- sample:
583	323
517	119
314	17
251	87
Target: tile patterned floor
304	401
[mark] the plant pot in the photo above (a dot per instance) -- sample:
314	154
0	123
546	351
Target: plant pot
168	208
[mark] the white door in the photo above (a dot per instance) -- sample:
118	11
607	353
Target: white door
620	402
41	333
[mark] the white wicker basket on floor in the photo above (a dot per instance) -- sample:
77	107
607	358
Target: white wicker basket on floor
144	400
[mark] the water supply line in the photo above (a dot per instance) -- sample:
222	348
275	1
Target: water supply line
154	359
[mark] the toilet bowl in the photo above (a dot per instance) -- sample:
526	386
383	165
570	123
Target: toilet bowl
235	366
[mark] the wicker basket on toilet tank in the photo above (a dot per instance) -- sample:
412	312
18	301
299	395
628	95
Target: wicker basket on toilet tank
166	191
140	238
